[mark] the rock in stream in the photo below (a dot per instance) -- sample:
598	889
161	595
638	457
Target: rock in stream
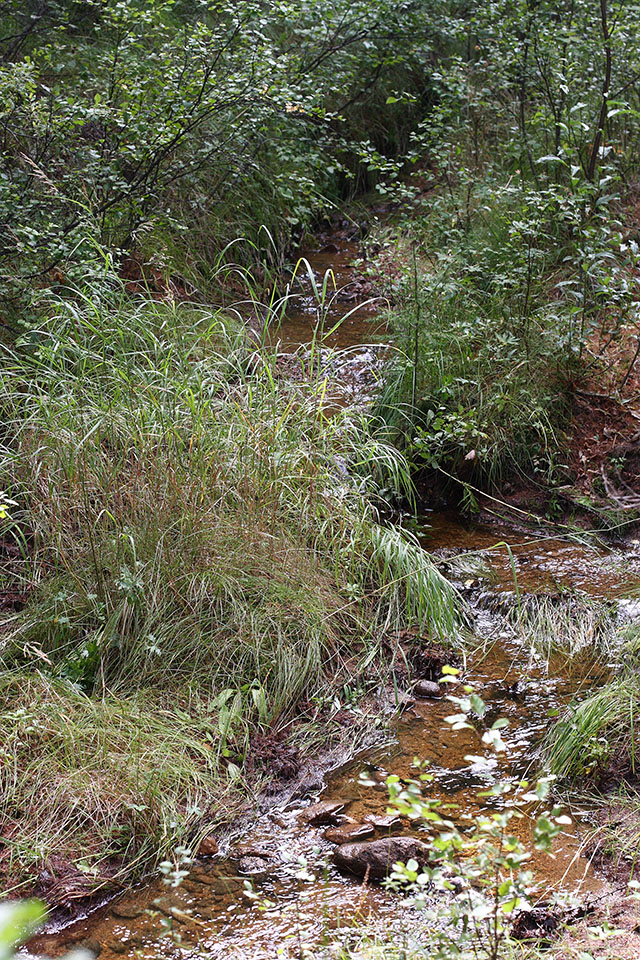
378	856
427	688
322	813
349	832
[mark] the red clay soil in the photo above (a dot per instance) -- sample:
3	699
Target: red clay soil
605	429
606	415
602	450
605	437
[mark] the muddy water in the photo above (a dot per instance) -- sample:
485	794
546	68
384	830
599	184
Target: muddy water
209	912
535	561
351	307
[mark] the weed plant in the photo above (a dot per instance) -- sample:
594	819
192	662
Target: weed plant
479	388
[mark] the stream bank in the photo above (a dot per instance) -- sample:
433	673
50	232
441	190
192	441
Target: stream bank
286	847
283	849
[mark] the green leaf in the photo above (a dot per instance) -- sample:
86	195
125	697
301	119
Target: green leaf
18	922
478	705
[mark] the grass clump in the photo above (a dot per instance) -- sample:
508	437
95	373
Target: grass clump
196	544
598	734
94	788
567	626
593	747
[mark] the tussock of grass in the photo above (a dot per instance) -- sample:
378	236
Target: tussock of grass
197	539
107	784
425	593
598	732
594	745
567	626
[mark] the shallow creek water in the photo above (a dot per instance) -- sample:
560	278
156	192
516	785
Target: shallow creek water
208	912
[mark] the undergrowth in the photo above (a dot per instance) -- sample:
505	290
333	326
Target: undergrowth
567	626
598	733
479	389
511	255
198	548
593	749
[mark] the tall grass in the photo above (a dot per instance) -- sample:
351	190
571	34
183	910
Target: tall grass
567	626
103	783
199	541
597	732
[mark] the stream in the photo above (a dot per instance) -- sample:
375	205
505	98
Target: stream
208	913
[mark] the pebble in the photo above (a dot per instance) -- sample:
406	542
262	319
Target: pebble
250	850
323	813
224	886
126	911
392	821
253	866
208	846
202	878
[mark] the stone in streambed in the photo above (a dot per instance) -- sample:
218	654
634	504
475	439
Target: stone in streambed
427	688
202	877
253	866
381	821
208	846
378	856
226	886
323	813
252	850
349	832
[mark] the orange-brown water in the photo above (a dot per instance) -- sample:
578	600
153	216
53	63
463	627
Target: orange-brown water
209	912
535	561
350	307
